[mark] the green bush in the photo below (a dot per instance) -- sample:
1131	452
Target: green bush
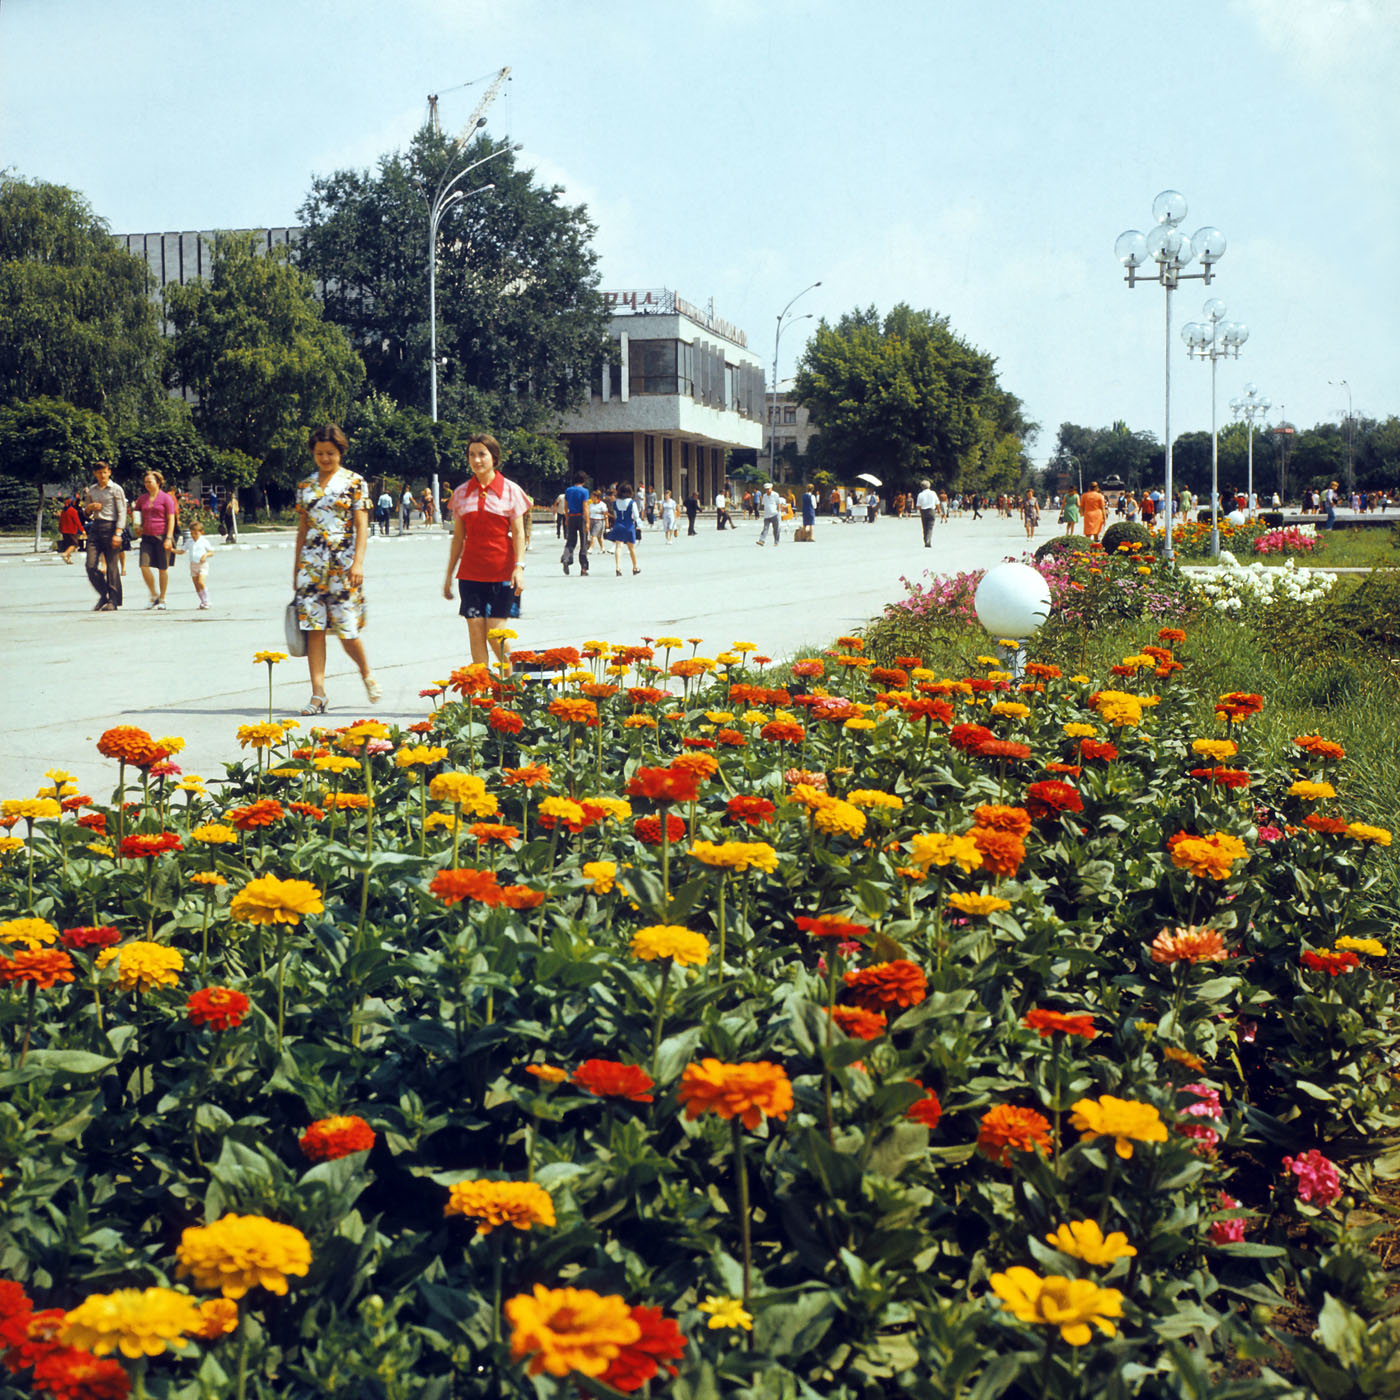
1126	532
1060	544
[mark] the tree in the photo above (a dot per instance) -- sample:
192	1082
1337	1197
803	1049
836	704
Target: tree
48	441
1101	453
905	397
76	319
252	343
520	319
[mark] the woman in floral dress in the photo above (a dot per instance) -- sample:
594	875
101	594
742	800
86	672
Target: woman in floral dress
328	563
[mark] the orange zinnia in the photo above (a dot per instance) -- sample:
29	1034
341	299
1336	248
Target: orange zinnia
1320	747
1187	945
857	1021
329	1138
664	784
572	709
700	764
745	1091
1015	820
453	886
1006	1127
256	814
610	1079
898	983
1050	1022
521	897
831	926
127	743
1002	853
527	776
40	967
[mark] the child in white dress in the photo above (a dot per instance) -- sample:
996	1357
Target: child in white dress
199	551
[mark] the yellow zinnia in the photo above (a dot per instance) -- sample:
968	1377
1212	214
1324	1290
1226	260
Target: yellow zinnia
601	875
1311	792
1126	1121
214	834
1373	835
239	1252
1070	1304
670	941
939	848
419	755
1373	946
727	1312
1217	749
1079	731
143	965
492	1203
977	905
1012	709
562	1330
1083	1239
260	736
269	900
337	763
738	856
834	816
873	797
32	934
135	1321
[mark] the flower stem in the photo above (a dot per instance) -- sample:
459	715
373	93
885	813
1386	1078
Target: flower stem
741	1172
660	1013
28	1023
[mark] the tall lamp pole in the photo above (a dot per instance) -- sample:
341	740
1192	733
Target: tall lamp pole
1172	252
1351	447
1213	340
773	407
1251	405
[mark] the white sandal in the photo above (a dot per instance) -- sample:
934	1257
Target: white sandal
315	706
373	690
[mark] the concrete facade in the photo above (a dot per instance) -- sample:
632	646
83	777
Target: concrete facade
788	426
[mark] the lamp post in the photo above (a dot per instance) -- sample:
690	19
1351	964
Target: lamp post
1214	339
1171	251
773	409
1251	405
1351	444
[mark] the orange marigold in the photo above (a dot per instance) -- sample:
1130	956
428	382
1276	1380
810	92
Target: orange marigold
745	1091
1007	1127
897	983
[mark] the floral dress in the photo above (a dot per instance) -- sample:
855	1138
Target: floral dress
324	598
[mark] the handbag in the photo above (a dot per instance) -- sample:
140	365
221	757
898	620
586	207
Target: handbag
291	631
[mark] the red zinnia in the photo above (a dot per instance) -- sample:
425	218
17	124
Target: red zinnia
504	721
90	936
691	741
831	926
1049	799
306	809
256	814
151	844
899	983
636	1363
858	1022
453	886
648	829
969	737
1097	748
664	784
1222	777
1002	748
731	738
752	810
1326	826
219	1008
645	695
927	1110
610	1079
329	1138
69	1373
1332	962
1050	1022
94	822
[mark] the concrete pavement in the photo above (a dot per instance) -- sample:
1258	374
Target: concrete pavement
70	673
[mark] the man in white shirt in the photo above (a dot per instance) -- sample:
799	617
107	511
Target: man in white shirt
772	514
927	503
406	509
721	514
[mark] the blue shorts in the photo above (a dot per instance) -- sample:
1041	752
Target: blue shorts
494	600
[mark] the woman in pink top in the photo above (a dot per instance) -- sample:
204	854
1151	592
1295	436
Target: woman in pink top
159	514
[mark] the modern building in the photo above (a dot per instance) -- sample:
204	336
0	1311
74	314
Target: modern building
680	391
790	429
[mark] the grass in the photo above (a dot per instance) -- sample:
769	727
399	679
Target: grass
1367	548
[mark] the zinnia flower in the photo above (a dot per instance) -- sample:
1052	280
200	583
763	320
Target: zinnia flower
751	810
573	709
1126	1121
1311	792
664	784
977	905
1372	835
996	817
214	834
240	1252
670	941
1373	946
1211	857
860	1022
338	1136
150	844
466	790
90	936
939	848
1319	747
453	886
219	1008
521	897
609	1079
1083	1239
126	743
1007	1127
135	1321
927	1111
725	1312
745	1091
1050	1023
1331	962
42	967
830	926
600	874
1187	945
1049	799
143	965
647	830
1071	1304
738	856
660	1343
504	721
269	900
1317	1179
1002	853
1227	1231
898	983
569	1329
218	1317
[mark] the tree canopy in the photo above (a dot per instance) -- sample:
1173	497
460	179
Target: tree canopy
76	319
251	342
904	396
520	319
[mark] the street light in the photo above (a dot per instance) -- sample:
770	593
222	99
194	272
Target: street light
1214	339
1351	442
1250	406
773	410
1171	251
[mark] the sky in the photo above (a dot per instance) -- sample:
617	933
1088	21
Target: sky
977	160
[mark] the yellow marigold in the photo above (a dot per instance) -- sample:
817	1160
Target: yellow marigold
32	809
143	965
1080	731
492	1203
977	905
670	941
419	755
239	1252
562	1330
1217	749
466	790
28	933
1012	709
1083	1239
1373	946
836	817
738	856
259	736
217	1318
1118	707
1373	835
614	808
1311	792
214	834
600	874
1208	856
446	820
928	848
207	877
725	1312
873	797
269	900
337	763
562	809
1070	1304
1126	1121
135	1321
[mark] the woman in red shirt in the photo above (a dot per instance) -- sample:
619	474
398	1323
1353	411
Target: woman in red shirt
488	544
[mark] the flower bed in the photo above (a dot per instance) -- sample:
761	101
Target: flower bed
1295	539
1234	586
883	1032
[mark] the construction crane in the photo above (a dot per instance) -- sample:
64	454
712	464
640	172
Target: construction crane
478	117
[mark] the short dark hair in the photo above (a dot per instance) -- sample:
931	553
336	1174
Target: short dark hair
328	432
100	466
490	444
624	488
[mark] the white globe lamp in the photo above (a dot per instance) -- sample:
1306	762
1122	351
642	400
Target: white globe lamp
1012	601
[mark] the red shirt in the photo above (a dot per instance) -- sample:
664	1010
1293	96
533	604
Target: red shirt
488	555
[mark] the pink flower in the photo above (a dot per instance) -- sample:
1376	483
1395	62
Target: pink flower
1207	1103
1227	1231
379	746
849	948
1270	834
1318	1179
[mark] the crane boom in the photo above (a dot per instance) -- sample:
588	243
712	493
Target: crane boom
488	98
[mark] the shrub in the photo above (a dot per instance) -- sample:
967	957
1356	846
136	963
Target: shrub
1062	544
1126	532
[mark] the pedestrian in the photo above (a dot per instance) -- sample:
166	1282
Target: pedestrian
626	528
1069	512
872	507
651	507
561	515
230	520
575	499
1331	496
598	513
1148	508
1094	510
721	514
669	532
425	504
772	515
159	514
810	504
692	508
405	509
487	554
1030	513
105	504
383	509
200	552
70	529
927	505
328	562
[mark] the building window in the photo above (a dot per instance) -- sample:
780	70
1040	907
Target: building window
667	463
789	415
652	367
649	461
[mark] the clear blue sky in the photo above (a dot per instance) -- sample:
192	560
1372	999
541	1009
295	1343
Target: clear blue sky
975	159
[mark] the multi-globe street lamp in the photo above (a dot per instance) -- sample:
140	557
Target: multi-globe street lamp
1249	406
1351	445
1172	252
773	409
1214	339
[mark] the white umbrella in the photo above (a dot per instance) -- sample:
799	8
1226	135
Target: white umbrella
873	480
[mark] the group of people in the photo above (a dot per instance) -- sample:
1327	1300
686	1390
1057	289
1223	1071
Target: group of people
588	519
385	508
